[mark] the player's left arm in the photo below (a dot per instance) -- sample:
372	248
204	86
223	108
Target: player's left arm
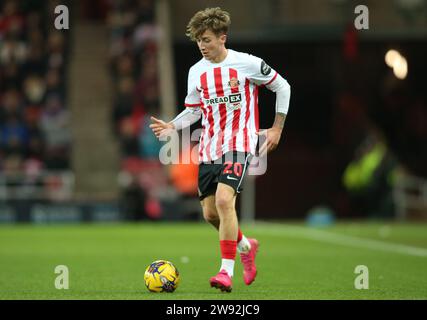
283	94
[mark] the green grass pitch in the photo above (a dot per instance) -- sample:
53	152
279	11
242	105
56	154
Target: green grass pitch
107	261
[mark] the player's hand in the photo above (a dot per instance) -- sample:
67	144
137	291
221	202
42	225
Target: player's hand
272	138
160	128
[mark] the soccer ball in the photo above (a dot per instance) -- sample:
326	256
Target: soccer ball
161	276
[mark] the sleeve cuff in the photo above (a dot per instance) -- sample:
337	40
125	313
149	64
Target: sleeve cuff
274	78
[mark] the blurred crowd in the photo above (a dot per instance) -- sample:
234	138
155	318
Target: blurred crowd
147	184
133	54
34	120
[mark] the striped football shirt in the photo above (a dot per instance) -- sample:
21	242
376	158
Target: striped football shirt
227	95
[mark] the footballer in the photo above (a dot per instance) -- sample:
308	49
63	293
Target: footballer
223	91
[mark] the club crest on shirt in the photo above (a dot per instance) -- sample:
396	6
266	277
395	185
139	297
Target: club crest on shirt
233	83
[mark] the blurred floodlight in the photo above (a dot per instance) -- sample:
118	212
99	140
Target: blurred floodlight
400	68
391	57
398	63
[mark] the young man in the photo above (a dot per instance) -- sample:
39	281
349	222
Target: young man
223	90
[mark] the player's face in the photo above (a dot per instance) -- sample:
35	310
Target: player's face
211	46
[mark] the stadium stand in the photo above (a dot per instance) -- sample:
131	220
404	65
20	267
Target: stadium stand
35	137
148	188
51	132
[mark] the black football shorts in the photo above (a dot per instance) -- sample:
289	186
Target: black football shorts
230	170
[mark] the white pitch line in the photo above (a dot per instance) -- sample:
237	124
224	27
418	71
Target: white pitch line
339	239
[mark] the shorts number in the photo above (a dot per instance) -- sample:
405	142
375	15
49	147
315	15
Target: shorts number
237	168
228	165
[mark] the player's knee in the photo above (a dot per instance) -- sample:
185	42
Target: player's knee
210	215
224	201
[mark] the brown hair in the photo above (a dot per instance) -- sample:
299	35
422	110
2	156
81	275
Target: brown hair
214	19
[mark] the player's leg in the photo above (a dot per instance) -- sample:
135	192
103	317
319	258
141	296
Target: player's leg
208	183
233	174
225	199
210	213
230	177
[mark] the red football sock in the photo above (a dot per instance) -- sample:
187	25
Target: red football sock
239	235
228	249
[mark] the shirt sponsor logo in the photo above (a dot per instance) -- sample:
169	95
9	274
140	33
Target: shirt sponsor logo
233	99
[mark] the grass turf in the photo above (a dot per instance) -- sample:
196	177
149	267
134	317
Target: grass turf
108	261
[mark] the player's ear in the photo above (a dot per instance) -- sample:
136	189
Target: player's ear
223	38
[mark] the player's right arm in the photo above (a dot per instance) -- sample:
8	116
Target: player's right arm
185	119
190	115
160	127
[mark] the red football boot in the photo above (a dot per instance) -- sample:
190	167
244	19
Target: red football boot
248	261
221	281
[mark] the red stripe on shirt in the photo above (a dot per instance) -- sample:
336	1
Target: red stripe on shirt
202	136
222	110
204	87
236	113
256	107
248	112
211	132
207	114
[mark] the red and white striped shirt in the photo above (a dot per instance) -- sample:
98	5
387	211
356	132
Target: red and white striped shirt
227	95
